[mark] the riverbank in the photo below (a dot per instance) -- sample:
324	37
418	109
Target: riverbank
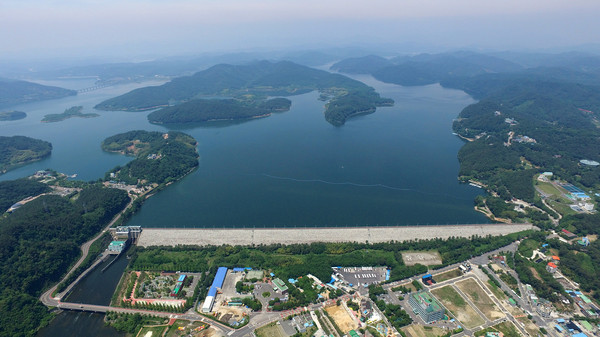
237	236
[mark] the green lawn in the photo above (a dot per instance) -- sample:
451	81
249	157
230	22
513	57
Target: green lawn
454	273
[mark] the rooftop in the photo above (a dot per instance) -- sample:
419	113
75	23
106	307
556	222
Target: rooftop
426	301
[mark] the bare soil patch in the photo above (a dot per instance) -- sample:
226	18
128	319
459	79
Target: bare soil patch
427	258
458	306
480	298
341	318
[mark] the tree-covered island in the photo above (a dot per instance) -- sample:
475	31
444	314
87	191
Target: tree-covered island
20	150
250	85
160	157
11	115
74	111
208	110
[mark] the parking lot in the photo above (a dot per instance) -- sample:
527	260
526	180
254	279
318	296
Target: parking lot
361	275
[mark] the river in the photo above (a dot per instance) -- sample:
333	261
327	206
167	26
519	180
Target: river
397	166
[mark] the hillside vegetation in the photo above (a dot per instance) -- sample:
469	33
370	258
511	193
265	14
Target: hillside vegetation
14	92
19	150
254	82
160	158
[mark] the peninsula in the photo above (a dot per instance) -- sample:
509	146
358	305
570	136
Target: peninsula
19	150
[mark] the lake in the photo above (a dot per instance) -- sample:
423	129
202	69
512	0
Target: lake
397	166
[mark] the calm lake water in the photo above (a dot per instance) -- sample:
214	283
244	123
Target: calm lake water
397	166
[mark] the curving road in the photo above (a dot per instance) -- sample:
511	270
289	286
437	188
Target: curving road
46	298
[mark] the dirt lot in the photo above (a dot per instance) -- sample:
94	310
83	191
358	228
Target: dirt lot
271	330
417	330
454	273
458	306
428	258
507	328
341	318
479	297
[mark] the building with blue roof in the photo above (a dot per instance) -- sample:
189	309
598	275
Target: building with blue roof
212	291
581	334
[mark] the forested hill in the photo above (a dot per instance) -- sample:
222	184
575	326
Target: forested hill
423	69
40	241
254	81
19	150
160	158
13	92
205	110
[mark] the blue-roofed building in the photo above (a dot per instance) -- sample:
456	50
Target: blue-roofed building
560	320
559	328
581	334
237	270
181	278
220	277
212	291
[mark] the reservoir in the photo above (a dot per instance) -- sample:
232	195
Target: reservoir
397	166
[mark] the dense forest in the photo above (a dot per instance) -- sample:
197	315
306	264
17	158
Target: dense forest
14	92
12	191
38	243
18	150
255	81
11	115
205	110
160	158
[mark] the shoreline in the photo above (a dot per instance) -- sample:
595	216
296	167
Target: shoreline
292	235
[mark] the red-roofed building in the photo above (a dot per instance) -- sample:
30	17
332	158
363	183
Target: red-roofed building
555	259
551	267
568	234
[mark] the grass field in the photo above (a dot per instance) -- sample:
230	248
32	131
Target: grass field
270	330
479	297
497	291
454	273
507	328
417	330
457	305
341	318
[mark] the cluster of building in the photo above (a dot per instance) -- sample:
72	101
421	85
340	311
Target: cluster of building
574	328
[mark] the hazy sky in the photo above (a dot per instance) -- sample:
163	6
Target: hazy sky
38	28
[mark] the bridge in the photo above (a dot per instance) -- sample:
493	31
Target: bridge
190	315
96	87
